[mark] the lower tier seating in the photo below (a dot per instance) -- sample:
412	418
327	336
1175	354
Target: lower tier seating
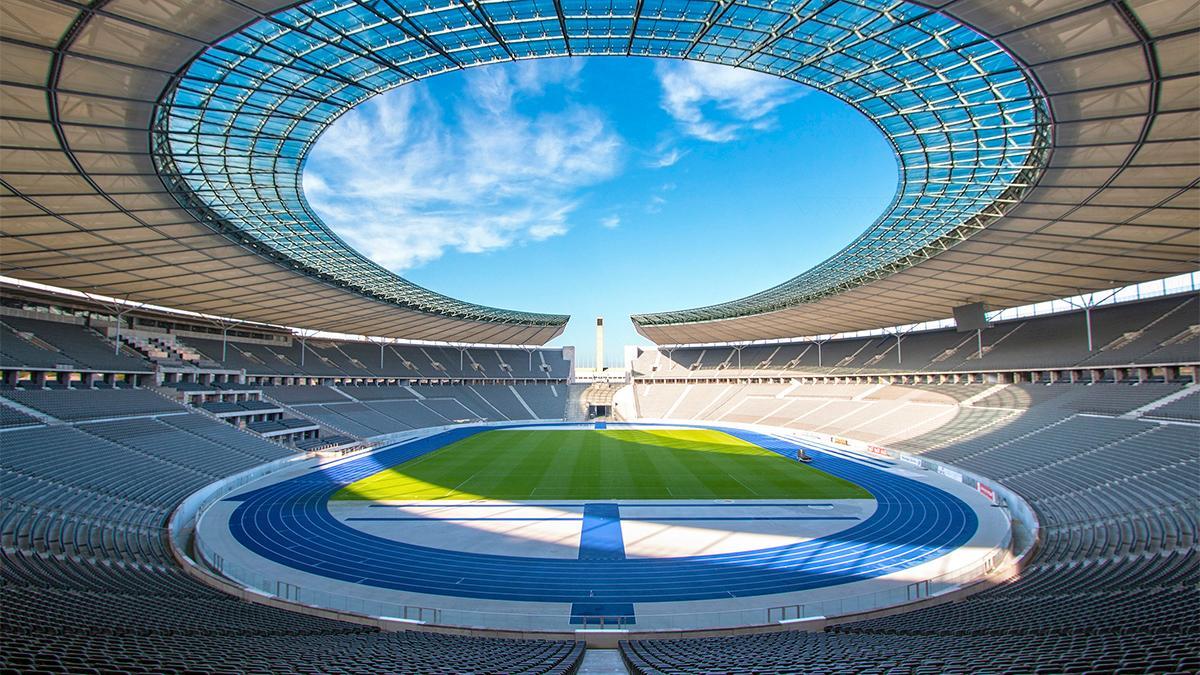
796	652
88	583
351	653
1112	587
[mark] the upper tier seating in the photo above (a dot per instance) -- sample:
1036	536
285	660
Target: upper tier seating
323	358
85	404
1159	331
33	343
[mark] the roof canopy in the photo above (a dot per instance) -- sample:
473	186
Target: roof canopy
153	150
1116	202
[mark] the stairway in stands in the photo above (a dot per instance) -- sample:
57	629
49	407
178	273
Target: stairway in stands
165	350
576	410
580	396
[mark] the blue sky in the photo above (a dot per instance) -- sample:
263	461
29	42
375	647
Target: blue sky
600	187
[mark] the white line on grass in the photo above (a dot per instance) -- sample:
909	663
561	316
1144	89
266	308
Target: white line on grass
735	478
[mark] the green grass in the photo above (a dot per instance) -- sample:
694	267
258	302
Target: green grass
601	464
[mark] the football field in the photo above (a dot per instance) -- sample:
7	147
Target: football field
584	464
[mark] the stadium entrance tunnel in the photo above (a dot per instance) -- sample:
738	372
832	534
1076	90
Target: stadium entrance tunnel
968	124
287	532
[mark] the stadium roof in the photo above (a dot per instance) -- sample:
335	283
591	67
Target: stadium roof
1113	197
153	150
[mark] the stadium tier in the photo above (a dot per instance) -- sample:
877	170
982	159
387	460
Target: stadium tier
1163	331
1136	340
230	442
89	582
56	344
93	461
1112	586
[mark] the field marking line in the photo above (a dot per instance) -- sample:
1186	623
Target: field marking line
735	478
468	478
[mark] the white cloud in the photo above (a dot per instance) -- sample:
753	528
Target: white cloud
404	177
715	103
665	157
494	89
610	222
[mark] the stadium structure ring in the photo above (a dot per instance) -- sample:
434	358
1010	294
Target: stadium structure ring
1044	151
967	123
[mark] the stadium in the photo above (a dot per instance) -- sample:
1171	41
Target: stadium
232	440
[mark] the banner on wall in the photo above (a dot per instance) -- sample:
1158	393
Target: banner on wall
950	473
838	440
987	492
876	450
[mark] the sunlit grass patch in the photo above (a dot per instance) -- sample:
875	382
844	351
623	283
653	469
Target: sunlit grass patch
601	464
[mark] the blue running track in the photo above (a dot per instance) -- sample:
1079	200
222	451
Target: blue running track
290	523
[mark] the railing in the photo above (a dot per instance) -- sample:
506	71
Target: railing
785	613
617	622
897	594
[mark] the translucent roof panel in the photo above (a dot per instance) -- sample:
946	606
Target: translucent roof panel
968	125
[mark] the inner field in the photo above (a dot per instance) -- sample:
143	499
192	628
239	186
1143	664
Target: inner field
582	464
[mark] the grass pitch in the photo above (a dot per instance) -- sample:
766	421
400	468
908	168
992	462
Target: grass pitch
601	464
